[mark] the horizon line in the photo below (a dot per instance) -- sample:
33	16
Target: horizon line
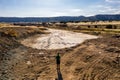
52	16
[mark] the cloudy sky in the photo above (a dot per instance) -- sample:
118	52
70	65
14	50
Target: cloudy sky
51	8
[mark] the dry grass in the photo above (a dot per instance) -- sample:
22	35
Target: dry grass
5	25
10	35
19	32
96	23
95	28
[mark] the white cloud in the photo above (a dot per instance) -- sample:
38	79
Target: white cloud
105	9
60	12
113	1
50	8
46	12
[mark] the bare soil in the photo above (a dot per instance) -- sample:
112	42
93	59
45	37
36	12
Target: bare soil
95	59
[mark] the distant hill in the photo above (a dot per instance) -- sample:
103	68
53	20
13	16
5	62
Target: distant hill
61	19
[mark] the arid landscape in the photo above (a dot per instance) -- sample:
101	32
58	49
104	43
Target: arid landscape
59	39
87	52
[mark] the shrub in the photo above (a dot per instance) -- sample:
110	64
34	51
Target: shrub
109	26
11	33
96	26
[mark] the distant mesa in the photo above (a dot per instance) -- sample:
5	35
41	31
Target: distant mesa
115	17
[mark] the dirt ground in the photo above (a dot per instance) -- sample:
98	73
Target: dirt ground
56	39
95	59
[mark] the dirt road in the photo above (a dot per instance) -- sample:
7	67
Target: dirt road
57	39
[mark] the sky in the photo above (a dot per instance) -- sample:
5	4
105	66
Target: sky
53	8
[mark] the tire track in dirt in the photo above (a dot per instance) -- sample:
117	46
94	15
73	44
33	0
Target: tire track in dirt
70	76
87	71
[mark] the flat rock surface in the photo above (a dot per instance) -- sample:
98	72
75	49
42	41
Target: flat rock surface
57	39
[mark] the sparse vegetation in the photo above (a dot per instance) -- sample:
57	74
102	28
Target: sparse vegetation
109	27
19	32
7	35
11	33
95	59
95	28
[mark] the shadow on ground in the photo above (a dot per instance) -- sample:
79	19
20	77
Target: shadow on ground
59	75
